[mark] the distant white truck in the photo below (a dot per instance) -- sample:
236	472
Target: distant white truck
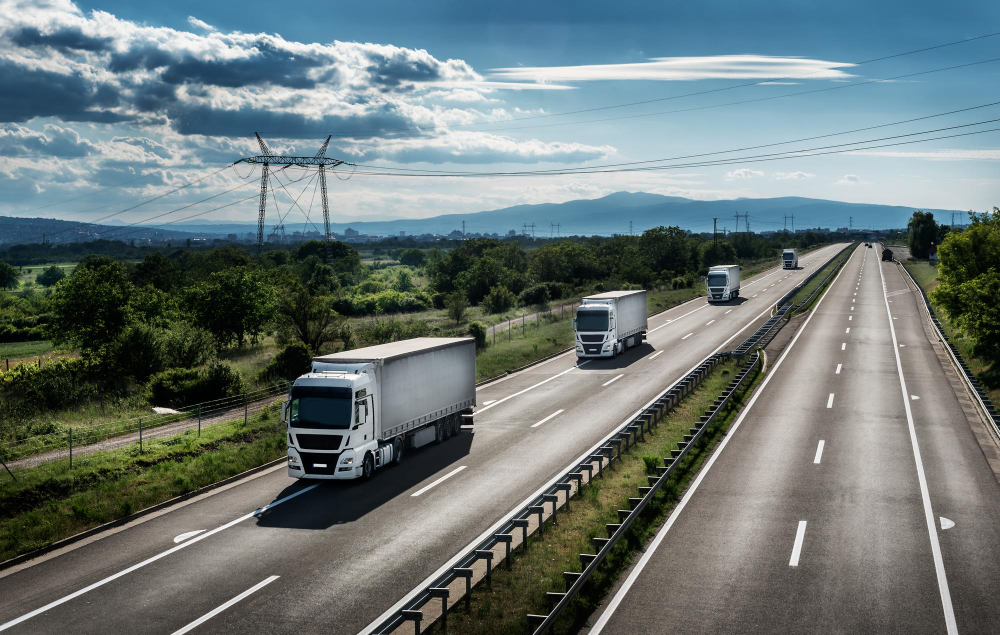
723	283
357	411
608	323
790	258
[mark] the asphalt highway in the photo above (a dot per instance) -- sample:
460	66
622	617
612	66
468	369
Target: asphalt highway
851	497
278	555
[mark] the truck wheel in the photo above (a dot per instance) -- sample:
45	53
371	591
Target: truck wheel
457	429
367	467
438	431
446	428
397	450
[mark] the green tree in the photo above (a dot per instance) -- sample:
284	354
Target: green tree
403	282
457	305
94	306
309	319
236	305
923	232
478	332
412	257
50	276
499	300
8	276
717	253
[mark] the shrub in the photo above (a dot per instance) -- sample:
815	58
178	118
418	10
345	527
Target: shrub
27	389
537	295
384	330
294	360
403	282
499	300
184	386
478	332
139	352
555	290
187	345
371	285
457	305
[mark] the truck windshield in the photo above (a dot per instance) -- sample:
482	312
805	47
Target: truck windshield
320	407
788	255
591	320
716	279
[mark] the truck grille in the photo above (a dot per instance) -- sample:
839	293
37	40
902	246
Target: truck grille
319	441
592	350
310	459
592	338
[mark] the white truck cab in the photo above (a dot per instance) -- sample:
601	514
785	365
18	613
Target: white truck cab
608	323
723	283
790	258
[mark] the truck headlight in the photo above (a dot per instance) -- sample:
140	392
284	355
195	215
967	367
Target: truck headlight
292	460
347	460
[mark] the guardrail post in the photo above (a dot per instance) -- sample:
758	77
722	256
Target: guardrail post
523	524
538	509
487	555
565	489
199	420
554	499
465	572
71	448
413	616
506	539
443	593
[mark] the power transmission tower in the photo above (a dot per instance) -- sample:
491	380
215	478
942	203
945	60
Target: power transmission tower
850	223
746	219
532	231
715	236
558	234
630	228
463	228
737	223
266	159
524	229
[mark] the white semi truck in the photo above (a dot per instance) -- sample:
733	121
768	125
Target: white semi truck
790	258
723	283
608	323
359	410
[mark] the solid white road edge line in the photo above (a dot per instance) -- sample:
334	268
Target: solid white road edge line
612	380
942	578
442	479
800	535
207	616
554	414
495	526
819	452
637	571
124	572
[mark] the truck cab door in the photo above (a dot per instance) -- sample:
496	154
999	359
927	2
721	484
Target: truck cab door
364	418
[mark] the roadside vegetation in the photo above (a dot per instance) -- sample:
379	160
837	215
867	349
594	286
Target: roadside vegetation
819	279
963	286
521	590
52	501
120	328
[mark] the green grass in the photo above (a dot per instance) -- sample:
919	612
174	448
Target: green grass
51	501
521	590
18	350
29	273
988	374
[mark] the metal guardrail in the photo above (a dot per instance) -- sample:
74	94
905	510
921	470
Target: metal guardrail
608	450
591	562
984	400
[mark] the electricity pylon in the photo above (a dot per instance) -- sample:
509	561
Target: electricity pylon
266	159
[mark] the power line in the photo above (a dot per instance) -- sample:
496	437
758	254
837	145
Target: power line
647	101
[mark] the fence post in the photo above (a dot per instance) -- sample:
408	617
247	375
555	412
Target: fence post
508	329
199	420
246	406
140	435
71	448
522	326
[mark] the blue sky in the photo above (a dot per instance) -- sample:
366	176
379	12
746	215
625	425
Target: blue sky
99	93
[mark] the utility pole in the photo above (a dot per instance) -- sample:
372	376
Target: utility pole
737	223
850	223
463	229
558	234
715	236
630	228
746	218
793	223
552	230
524	230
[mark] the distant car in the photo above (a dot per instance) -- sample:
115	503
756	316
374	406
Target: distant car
887	255
868	245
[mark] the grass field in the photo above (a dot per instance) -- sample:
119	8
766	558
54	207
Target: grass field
30	272
925	274
51	502
515	593
19	350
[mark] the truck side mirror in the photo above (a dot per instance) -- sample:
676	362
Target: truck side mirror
574	324
284	412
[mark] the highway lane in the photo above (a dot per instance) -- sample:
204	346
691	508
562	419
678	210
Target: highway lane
814	517
345	553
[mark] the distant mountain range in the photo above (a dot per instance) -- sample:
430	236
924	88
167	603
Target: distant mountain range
608	215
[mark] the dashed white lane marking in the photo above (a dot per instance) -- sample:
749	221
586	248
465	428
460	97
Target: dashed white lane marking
829	402
186	535
439	481
895	318
612	380
554	414
655	355
914	397
853	300
728	312
819	452
839	366
850	318
677	318
687	336
848	329
946	523
755	295
902	345
709	323
207	616
800	535
852	308
843	346
521	392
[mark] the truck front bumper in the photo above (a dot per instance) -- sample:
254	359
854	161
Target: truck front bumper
596	349
316	468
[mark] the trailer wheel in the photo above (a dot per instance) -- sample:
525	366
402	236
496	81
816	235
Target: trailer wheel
446	428
367	467
397	450
456	425
438	431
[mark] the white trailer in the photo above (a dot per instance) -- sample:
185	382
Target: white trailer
357	411
723	283
790	258
608	323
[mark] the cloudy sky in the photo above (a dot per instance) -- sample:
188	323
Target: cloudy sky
107	107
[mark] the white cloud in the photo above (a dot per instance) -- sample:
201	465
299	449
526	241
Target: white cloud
200	24
782	176
849	179
937	155
743	173
480	147
681	69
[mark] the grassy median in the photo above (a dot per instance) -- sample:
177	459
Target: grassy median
522	590
51	502
820	279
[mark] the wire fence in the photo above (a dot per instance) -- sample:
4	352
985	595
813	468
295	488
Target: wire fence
141	430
